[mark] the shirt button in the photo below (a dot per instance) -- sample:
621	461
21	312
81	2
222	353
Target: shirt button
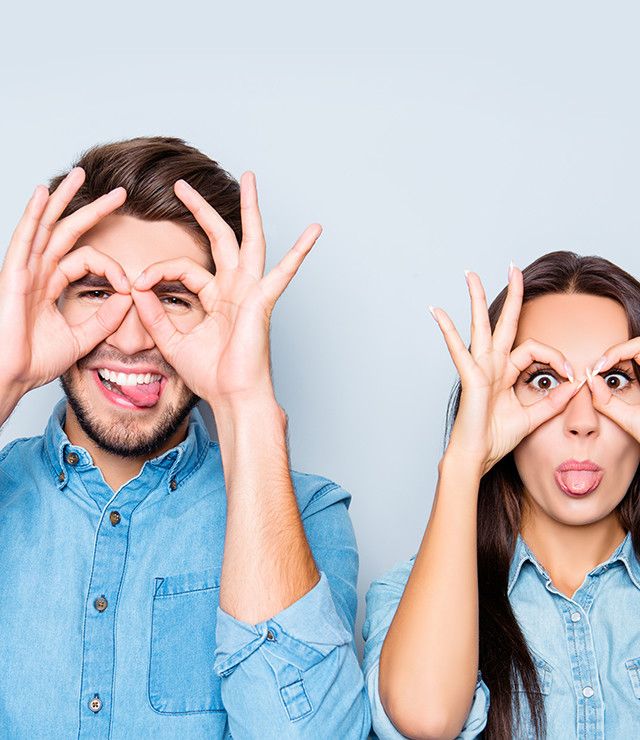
587	691
575	617
173	484
95	704
60	477
115	517
270	636
73	458
100	603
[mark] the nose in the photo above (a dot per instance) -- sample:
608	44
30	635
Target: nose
580	418
131	336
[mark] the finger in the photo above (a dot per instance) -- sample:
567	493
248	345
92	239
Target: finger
81	262
19	249
101	324
58	201
507	325
187	271
480	327
531	351
67	232
629	350
274	284
253	250
156	322
460	355
224	247
552	404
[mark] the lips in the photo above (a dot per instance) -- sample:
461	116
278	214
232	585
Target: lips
578	478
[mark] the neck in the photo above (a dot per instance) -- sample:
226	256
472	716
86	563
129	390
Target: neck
568	552
116	470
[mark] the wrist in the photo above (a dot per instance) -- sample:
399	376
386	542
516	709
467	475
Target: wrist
461	465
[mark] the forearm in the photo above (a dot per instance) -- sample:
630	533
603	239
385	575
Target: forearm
10	395
429	660
267	562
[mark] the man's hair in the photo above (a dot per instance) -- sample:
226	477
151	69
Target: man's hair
148	167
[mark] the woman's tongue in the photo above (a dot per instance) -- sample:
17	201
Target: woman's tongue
142	394
579	481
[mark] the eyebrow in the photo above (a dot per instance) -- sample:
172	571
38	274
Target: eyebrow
164	286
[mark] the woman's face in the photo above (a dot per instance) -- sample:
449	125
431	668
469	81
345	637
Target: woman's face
582	327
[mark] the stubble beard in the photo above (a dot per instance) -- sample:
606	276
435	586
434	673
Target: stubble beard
124	436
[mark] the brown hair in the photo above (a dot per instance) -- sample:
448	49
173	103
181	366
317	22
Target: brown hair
148	167
505	658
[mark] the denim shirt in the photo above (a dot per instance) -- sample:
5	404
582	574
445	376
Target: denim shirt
586	648
109	613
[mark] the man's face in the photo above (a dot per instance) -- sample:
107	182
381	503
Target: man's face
125	415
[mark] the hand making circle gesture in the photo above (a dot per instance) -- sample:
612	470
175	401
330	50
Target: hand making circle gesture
226	355
491	419
39	264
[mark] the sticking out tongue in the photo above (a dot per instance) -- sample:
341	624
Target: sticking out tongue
579	481
143	394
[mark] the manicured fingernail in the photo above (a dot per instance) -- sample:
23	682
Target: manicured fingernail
599	365
433	312
140	279
511	266
589	378
580	384
569	371
466	275
124	281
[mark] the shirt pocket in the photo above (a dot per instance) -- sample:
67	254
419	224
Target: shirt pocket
183	631
633	669
545	675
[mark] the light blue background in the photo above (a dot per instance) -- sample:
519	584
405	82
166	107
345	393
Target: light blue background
426	138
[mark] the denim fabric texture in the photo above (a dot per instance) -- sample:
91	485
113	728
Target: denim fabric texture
109	612
586	648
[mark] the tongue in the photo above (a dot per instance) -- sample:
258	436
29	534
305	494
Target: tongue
143	394
580	481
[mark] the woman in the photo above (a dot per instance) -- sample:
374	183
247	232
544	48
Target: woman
518	615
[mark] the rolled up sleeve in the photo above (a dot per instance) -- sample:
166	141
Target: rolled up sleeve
297	674
382	599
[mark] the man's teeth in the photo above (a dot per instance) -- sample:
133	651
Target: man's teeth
127	378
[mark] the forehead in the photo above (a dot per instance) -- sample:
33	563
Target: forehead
136	244
581	326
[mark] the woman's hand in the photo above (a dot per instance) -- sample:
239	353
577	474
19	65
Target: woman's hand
225	357
615	391
39	344
491	419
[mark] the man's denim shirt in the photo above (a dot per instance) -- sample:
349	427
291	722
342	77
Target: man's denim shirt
109	611
586	648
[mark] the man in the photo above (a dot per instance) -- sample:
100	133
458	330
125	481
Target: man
153	582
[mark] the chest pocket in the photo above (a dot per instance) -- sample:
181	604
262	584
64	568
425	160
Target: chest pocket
183	631
633	669
545	675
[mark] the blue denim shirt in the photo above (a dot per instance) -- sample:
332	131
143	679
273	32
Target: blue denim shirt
109	610
586	648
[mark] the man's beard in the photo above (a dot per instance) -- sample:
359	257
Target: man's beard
123	437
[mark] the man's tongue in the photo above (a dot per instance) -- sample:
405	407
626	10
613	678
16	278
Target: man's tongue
580	481
142	394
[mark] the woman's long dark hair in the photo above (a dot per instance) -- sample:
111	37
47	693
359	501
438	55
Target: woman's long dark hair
504	654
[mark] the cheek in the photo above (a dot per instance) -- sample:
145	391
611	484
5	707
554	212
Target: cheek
534	456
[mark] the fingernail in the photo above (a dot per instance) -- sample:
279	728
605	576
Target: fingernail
511	266
589	378
569	371
124	281
433	312
580	384
599	365
466	275
139	279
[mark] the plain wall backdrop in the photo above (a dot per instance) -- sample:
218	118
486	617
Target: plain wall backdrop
426	140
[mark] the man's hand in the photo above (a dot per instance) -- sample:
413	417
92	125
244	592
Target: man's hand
39	343
226	356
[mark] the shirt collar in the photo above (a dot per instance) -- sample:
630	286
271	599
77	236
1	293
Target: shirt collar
624	553
180	460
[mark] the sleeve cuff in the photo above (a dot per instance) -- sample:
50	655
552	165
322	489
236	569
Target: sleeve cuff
301	635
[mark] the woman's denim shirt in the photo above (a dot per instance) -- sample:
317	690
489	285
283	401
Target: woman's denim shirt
109	613
586	648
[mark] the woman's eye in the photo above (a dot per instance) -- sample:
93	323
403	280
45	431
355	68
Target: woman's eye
616	380
542	381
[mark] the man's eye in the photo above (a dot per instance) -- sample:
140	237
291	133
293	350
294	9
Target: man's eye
616	380
542	381
94	294
173	300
